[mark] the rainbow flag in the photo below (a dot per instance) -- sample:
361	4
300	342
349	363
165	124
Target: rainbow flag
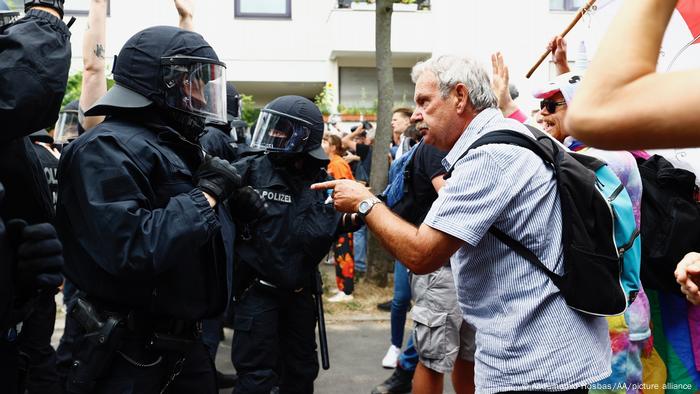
676	332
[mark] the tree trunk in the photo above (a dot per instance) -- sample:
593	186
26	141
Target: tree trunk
378	260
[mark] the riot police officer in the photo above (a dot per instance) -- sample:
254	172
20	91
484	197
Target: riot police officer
138	213
68	126
274	342
34	62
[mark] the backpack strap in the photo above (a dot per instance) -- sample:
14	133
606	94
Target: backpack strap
518	139
525	253
506	137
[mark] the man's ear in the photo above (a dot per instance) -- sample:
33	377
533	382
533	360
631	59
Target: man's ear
462	97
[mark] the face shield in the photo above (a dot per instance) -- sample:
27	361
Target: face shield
196	86
66	127
278	132
8	18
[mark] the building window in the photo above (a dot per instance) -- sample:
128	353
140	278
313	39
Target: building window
281	9
358	88
566	5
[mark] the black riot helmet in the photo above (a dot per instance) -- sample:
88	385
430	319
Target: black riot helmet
290	124
174	69
67	126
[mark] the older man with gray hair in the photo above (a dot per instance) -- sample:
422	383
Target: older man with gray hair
527	338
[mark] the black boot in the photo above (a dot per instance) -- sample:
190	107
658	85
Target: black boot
398	383
225	380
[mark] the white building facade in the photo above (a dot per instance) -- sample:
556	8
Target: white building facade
277	47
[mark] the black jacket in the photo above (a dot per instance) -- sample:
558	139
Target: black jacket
137	234
217	142
35	57
285	247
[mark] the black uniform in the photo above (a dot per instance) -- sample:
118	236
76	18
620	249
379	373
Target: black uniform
49	164
143	245
218	142
134	183
277	256
34	62
137	234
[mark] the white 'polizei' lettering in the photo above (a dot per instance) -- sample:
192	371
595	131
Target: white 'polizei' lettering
279	197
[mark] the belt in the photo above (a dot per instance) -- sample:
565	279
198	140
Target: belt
139	322
272	286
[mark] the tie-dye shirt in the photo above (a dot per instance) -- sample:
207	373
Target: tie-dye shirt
630	335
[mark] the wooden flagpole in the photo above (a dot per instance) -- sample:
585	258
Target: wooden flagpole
573	23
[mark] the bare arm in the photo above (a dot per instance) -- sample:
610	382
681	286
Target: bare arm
348	140
94	82
438	182
422	250
185	8
47	9
623	103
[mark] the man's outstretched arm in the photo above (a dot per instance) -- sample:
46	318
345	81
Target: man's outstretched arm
422	250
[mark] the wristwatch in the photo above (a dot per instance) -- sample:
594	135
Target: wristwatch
366	206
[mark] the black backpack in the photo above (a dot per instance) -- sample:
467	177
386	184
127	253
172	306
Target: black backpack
591	283
670	221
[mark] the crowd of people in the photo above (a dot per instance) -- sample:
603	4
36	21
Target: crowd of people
162	217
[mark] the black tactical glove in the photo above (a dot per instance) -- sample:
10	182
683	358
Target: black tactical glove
218	178
39	257
247	205
55	4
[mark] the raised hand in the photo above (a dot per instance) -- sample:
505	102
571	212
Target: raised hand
500	84
558	48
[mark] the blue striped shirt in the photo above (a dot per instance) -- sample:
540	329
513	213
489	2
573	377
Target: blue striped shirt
527	337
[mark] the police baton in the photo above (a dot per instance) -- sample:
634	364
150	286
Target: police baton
325	362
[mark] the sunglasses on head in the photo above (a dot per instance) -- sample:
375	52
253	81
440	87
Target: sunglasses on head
551	105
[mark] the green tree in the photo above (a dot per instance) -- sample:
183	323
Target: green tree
249	113
379	261
75	84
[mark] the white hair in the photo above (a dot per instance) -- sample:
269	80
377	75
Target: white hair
451	70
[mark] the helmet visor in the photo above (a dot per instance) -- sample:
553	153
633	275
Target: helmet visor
279	132
66	127
196	86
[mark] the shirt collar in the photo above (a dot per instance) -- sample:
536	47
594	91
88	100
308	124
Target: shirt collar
473	131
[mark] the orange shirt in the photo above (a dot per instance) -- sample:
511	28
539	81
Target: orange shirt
339	168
